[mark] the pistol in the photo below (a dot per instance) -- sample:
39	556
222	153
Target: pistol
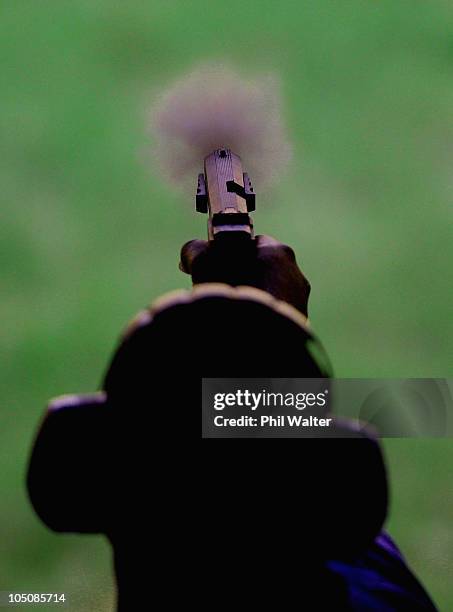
225	192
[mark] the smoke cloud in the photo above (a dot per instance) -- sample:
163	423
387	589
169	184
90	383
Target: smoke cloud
214	107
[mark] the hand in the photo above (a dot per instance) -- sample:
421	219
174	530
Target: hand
269	265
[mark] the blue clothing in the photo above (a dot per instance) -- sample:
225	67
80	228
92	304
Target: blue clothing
380	580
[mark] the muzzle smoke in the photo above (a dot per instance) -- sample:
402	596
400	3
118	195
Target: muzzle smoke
214	107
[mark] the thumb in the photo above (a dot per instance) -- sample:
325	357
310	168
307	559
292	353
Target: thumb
189	252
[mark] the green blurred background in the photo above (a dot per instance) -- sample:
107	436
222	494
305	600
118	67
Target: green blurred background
89	235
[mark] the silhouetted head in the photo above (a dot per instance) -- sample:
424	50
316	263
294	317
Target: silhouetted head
213	331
